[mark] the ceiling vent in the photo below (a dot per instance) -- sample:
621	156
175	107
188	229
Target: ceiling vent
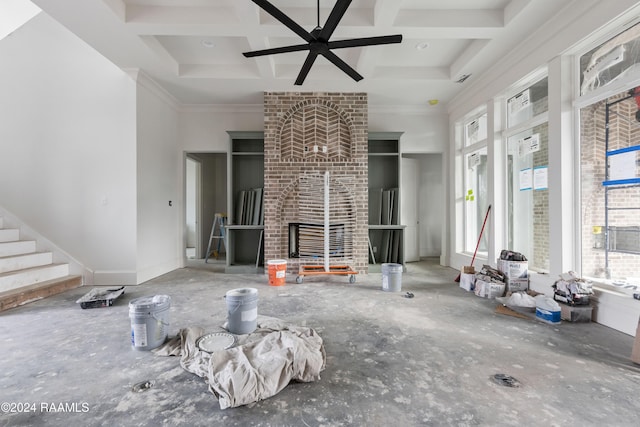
463	78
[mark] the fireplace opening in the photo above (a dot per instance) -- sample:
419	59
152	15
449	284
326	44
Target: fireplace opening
307	240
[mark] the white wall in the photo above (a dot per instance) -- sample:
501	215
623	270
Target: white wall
160	187
67	138
424	131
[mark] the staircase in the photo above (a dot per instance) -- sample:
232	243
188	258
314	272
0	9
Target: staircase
27	275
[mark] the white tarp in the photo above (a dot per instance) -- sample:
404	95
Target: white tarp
259	366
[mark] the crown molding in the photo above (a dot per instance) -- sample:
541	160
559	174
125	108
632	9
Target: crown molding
146	81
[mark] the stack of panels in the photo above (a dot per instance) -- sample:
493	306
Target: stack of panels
249	207
390	247
383	206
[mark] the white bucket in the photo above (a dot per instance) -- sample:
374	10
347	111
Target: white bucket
391	277
149	321
242	310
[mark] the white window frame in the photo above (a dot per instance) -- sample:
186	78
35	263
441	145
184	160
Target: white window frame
463	152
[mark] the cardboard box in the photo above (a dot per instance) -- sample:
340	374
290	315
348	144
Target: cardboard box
469	269
467	281
489	289
514	269
574	313
516	285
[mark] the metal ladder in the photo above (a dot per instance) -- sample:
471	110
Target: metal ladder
217	233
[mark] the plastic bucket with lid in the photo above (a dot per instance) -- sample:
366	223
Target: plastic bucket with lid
242	310
277	269
149	321
391	277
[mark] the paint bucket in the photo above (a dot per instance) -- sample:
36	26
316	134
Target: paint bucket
391	277
277	269
149	321
242	310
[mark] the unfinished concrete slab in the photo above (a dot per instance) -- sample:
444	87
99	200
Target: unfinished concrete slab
391	360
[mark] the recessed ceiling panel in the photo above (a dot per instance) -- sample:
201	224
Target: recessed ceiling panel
455	4
422	53
205	50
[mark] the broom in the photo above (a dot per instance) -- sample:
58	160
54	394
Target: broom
457	279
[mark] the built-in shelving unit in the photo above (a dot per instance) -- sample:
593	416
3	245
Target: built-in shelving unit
386	234
245	228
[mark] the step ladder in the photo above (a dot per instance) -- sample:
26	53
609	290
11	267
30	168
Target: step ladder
217	233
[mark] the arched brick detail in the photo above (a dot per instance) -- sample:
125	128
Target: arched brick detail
315	123
288	204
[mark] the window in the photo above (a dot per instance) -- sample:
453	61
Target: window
610	202
528	103
527	151
476	202
616	59
610	162
475	130
475	176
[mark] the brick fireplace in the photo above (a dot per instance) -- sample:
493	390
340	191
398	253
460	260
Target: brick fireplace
305	135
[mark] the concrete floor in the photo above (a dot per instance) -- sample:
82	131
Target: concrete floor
391	361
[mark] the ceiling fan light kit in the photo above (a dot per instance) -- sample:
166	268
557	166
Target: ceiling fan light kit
318	40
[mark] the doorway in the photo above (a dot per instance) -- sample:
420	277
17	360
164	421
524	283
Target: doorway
205	195
422	205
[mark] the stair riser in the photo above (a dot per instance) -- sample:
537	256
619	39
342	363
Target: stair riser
9	235
21	262
29	277
17	248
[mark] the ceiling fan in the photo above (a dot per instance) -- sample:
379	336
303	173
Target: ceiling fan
318	40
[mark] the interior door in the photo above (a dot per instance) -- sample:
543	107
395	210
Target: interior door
410	181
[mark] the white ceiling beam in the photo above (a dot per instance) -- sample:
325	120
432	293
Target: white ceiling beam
249	13
412	73
485	18
385	12
118	7
168	61
462	63
307	17
266	64
514	8
235	30
218	71
161	15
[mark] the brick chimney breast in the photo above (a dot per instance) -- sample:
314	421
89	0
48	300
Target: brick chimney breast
310	133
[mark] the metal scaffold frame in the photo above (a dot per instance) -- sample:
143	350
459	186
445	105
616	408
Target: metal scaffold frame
326	230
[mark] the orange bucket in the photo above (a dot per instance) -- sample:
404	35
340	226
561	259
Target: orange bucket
277	271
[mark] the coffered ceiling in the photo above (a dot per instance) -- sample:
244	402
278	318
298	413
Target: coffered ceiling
193	48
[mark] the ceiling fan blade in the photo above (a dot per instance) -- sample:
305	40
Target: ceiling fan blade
275	50
280	16
306	67
366	41
334	18
342	65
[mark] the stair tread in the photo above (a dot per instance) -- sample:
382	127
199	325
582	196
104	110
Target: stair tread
26	254
35	268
